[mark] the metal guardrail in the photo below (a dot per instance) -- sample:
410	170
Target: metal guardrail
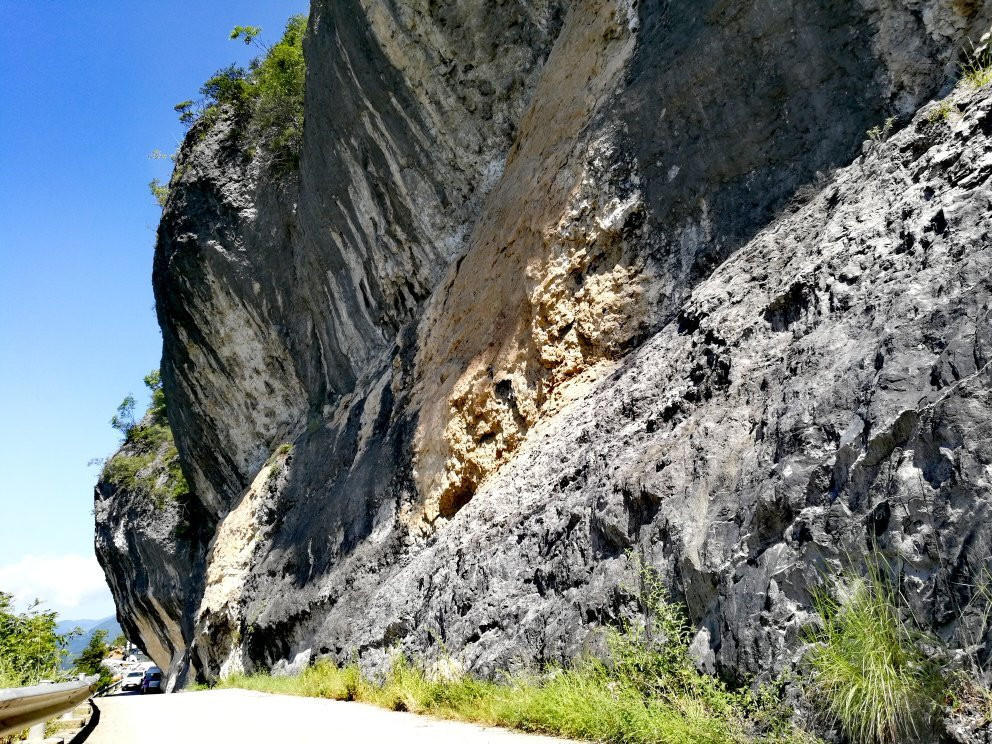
107	689
23	707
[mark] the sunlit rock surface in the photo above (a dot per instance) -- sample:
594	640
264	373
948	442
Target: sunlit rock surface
562	287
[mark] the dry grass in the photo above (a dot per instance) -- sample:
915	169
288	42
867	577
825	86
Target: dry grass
976	70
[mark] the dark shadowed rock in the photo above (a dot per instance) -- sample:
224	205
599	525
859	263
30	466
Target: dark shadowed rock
557	289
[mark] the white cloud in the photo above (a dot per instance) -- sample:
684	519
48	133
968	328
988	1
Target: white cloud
72	585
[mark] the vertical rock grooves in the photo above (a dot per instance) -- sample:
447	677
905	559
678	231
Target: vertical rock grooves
554	283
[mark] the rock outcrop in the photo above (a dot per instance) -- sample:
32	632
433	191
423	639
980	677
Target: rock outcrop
558	288
149	538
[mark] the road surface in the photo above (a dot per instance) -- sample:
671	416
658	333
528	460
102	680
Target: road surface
245	717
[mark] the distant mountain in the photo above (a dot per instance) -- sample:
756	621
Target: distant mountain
65	626
77	644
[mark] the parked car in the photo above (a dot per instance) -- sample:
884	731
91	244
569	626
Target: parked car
152	681
133	680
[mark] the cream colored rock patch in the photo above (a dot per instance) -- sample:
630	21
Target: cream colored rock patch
229	565
588	295
562	291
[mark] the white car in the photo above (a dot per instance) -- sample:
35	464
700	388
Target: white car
132	681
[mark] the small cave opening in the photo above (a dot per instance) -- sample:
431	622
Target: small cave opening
454	499
504	391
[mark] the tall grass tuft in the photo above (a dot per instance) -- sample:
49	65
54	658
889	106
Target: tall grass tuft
976	70
867	668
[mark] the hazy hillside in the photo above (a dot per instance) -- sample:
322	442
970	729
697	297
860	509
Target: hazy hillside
89	627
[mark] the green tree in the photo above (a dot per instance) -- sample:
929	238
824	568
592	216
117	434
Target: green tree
123	420
153	381
159	190
186	111
265	99
151	449
89	661
30	648
229	85
248	34
279	79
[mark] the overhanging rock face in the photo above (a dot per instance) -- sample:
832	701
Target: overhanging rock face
561	285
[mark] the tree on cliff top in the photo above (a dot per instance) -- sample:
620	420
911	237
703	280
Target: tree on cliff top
148	463
266	97
124	420
153	381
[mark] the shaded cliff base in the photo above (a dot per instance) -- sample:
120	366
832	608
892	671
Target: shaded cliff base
647	690
870	675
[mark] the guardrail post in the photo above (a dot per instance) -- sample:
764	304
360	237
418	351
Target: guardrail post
37	733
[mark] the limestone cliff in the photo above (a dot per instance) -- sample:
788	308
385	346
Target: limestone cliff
559	283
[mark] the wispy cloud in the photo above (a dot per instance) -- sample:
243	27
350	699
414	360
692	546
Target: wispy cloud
72	585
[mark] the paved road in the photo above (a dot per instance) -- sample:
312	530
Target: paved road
243	717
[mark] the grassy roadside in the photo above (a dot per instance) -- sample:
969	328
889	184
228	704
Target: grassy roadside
869	669
648	691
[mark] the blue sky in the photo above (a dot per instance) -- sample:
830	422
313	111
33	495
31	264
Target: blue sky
86	93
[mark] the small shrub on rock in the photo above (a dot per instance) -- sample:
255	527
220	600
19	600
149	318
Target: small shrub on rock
976	70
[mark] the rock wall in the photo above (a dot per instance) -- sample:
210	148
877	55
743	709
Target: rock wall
150	548
556	285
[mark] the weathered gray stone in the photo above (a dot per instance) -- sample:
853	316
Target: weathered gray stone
554	289
150	554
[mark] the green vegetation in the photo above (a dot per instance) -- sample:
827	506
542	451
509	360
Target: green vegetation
30	648
879	134
159	191
976	70
148	463
943	111
275	470
265	100
647	690
96	651
156	409
868	668
276	464
246	33
123	420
